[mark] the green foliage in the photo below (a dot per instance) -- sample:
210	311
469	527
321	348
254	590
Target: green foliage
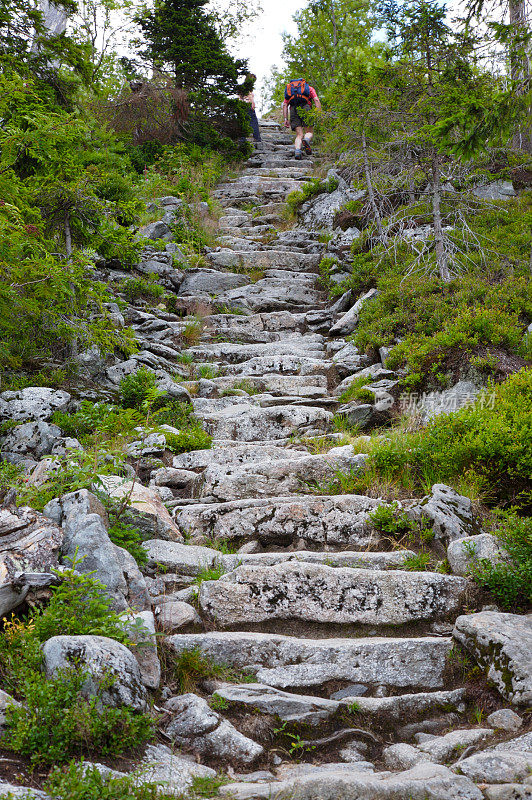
141	288
207	371
210	573
79	606
477	313
78	470
308	190
418	563
489	440
192	438
510	580
78	781
57	721
103	419
191	667
126	535
138	387
356	391
390	519
218	703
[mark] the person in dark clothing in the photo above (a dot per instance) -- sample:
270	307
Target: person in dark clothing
248	97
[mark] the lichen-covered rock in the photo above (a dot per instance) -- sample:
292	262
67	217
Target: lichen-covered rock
29	543
501	643
35	403
274	701
505	720
423	781
442	748
184	559
334	521
287	662
144	506
101	658
317	593
35	439
462	554
449	513
193	724
493	767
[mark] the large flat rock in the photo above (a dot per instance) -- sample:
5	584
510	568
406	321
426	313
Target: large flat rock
347	782
286	662
338	521
246	423
271	477
273	294
318	593
502	644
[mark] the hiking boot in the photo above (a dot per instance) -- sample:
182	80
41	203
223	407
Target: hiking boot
306	147
297	155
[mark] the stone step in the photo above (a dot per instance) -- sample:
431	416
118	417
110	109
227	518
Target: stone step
261	366
274	294
287	662
271	478
346	558
306	387
328	522
262	259
315	593
310	345
245	422
254	328
235	454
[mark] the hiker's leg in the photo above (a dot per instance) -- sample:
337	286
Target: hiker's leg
309	134
254	124
299	137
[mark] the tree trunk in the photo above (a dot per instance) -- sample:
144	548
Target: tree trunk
520	66
68	238
369	184
441	257
68	250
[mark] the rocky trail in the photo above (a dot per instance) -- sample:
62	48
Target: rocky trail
336	667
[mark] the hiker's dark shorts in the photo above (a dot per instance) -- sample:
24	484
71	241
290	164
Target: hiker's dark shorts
295	119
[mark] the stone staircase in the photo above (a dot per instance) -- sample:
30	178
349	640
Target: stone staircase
342	642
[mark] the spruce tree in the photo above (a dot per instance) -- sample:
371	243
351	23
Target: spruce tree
181	39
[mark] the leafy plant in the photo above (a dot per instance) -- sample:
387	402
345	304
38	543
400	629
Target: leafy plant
126	535
79	781
356	391
137	387
390	519
191	667
57	721
213	573
510	579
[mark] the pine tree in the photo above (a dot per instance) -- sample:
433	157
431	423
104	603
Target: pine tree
181	39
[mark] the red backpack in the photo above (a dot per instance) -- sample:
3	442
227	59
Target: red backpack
297	93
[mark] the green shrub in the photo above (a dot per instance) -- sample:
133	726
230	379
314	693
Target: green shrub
107	420
78	606
509	581
78	781
356	391
490	440
191	667
129	537
57	721
136	388
136	288
193	438
390	519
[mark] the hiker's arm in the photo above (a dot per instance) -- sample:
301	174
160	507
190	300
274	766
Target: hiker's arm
317	103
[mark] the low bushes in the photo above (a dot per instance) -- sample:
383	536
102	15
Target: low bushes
490	441
510	580
56	720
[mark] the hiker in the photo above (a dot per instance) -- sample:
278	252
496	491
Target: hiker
247	96
300	94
